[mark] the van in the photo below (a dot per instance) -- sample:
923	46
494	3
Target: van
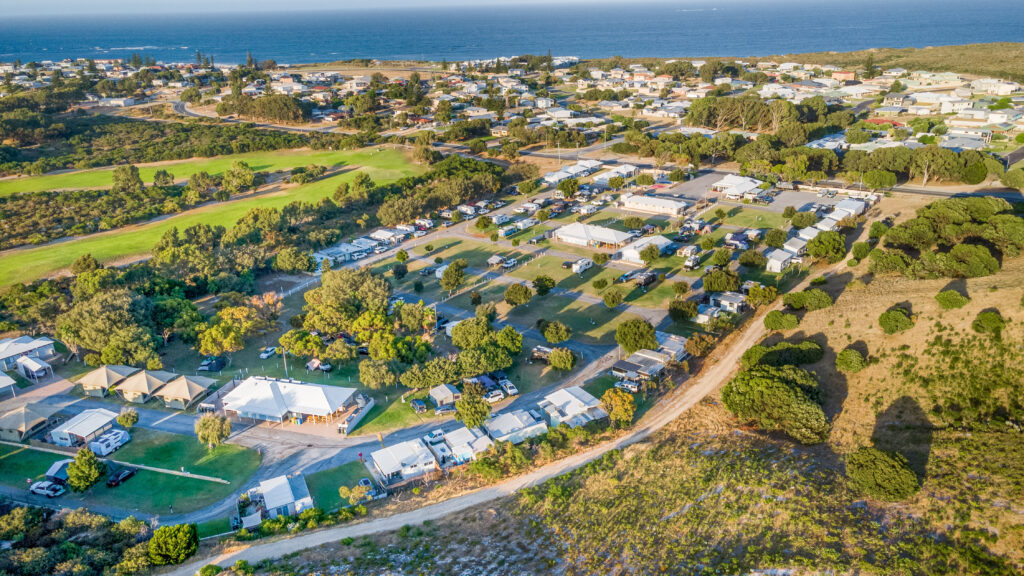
582	265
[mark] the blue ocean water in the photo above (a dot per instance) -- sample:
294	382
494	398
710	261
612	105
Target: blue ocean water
631	29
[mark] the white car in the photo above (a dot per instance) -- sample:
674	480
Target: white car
268	352
631	387
46	488
419	233
435	437
494	396
508	387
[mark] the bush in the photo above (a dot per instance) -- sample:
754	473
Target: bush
882	475
210	570
783	354
776	320
895	320
600	258
803	220
600	284
778	398
680	288
788	212
721	281
517	294
877	230
950	299
613	297
636	334
828	246
989	322
173	544
681	310
861	250
562	359
810	300
752	259
776	238
850	361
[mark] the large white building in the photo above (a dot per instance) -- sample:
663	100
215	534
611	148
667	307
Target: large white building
653	204
579	234
572	406
404	461
273	400
514	427
632	252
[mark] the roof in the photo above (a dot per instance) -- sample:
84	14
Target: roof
6	381
443	391
106	376
282	491
404	455
186	387
593	233
572	400
33	364
87	422
465	440
780	255
271	397
146	382
26	417
10	347
510	422
652	202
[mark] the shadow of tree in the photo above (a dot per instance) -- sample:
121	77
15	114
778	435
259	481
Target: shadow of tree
904	428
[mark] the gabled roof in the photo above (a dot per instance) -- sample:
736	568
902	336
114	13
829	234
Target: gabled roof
87	422
26	417
571	401
270	397
186	387
106	376
404	455
282	491
10	347
146	382
593	233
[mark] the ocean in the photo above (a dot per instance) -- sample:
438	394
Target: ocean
631	29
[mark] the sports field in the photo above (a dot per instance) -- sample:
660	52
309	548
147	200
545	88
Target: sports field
24	265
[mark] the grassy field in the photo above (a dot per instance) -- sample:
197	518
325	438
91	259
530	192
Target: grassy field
214	527
20	464
323	485
269	161
749	218
31	263
175	451
590	323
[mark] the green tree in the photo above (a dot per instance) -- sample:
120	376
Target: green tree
829	246
555	332
85	470
128	417
212	430
681	310
883	475
650	254
850	361
951	299
778	398
613	297
173	544
376	374
569	187
879	179
291	260
401	255
620	407
562	359
636	334
895	320
721	281
803	220
222	338
543	284
163	178
517	295
775	237
700	344
776	320
471	409
454	275
127	180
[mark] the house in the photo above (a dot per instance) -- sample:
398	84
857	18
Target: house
795	246
587	235
515	427
829	224
632	252
638	366
273	400
82	428
779	260
444	394
653	205
285	496
624	171
139	387
572	406
705	314
848	207
736	187
99	381
183	391
403	461
672	346
809	233
465	443
33	368
731	302
20	423
13	348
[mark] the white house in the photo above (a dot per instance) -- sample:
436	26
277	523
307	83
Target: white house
587	235
465	443
514	427
284	496
808	234
33	368
706	314
632	252
829	224
732	302
779	260
795	246
848	207
444	394
653	204
273	400
736	187
87	425
404	461
572	406
13	348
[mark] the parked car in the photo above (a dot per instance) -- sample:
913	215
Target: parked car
508	387
444	409
509	263
46	488
494	396
119	476
567	265
268	352
325	366
419	234
418	406
212	364
380	249
628	386
434	437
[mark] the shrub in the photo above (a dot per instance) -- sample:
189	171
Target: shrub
778	398
752	259
613	297
895	320
600	258
555	332
812	299
721	281
517	294
828	246
861	250
210	570
776	320
562	359
788	212
600	284
680	288
636	334
783	354
721	257
877	230
803	220
776	238
950	299
850	361
681	310
700	344
882	475
989	322
173	544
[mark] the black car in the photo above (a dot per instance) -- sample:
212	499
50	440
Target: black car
567	264
119	476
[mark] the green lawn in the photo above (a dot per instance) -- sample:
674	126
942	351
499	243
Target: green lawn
392	414
590	323
175	451
268	161
749	217
529	377
19	464
29	264
598	386
323	485
214	527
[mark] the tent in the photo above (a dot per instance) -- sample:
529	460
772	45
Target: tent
184	390
139	388
22	422
97	382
